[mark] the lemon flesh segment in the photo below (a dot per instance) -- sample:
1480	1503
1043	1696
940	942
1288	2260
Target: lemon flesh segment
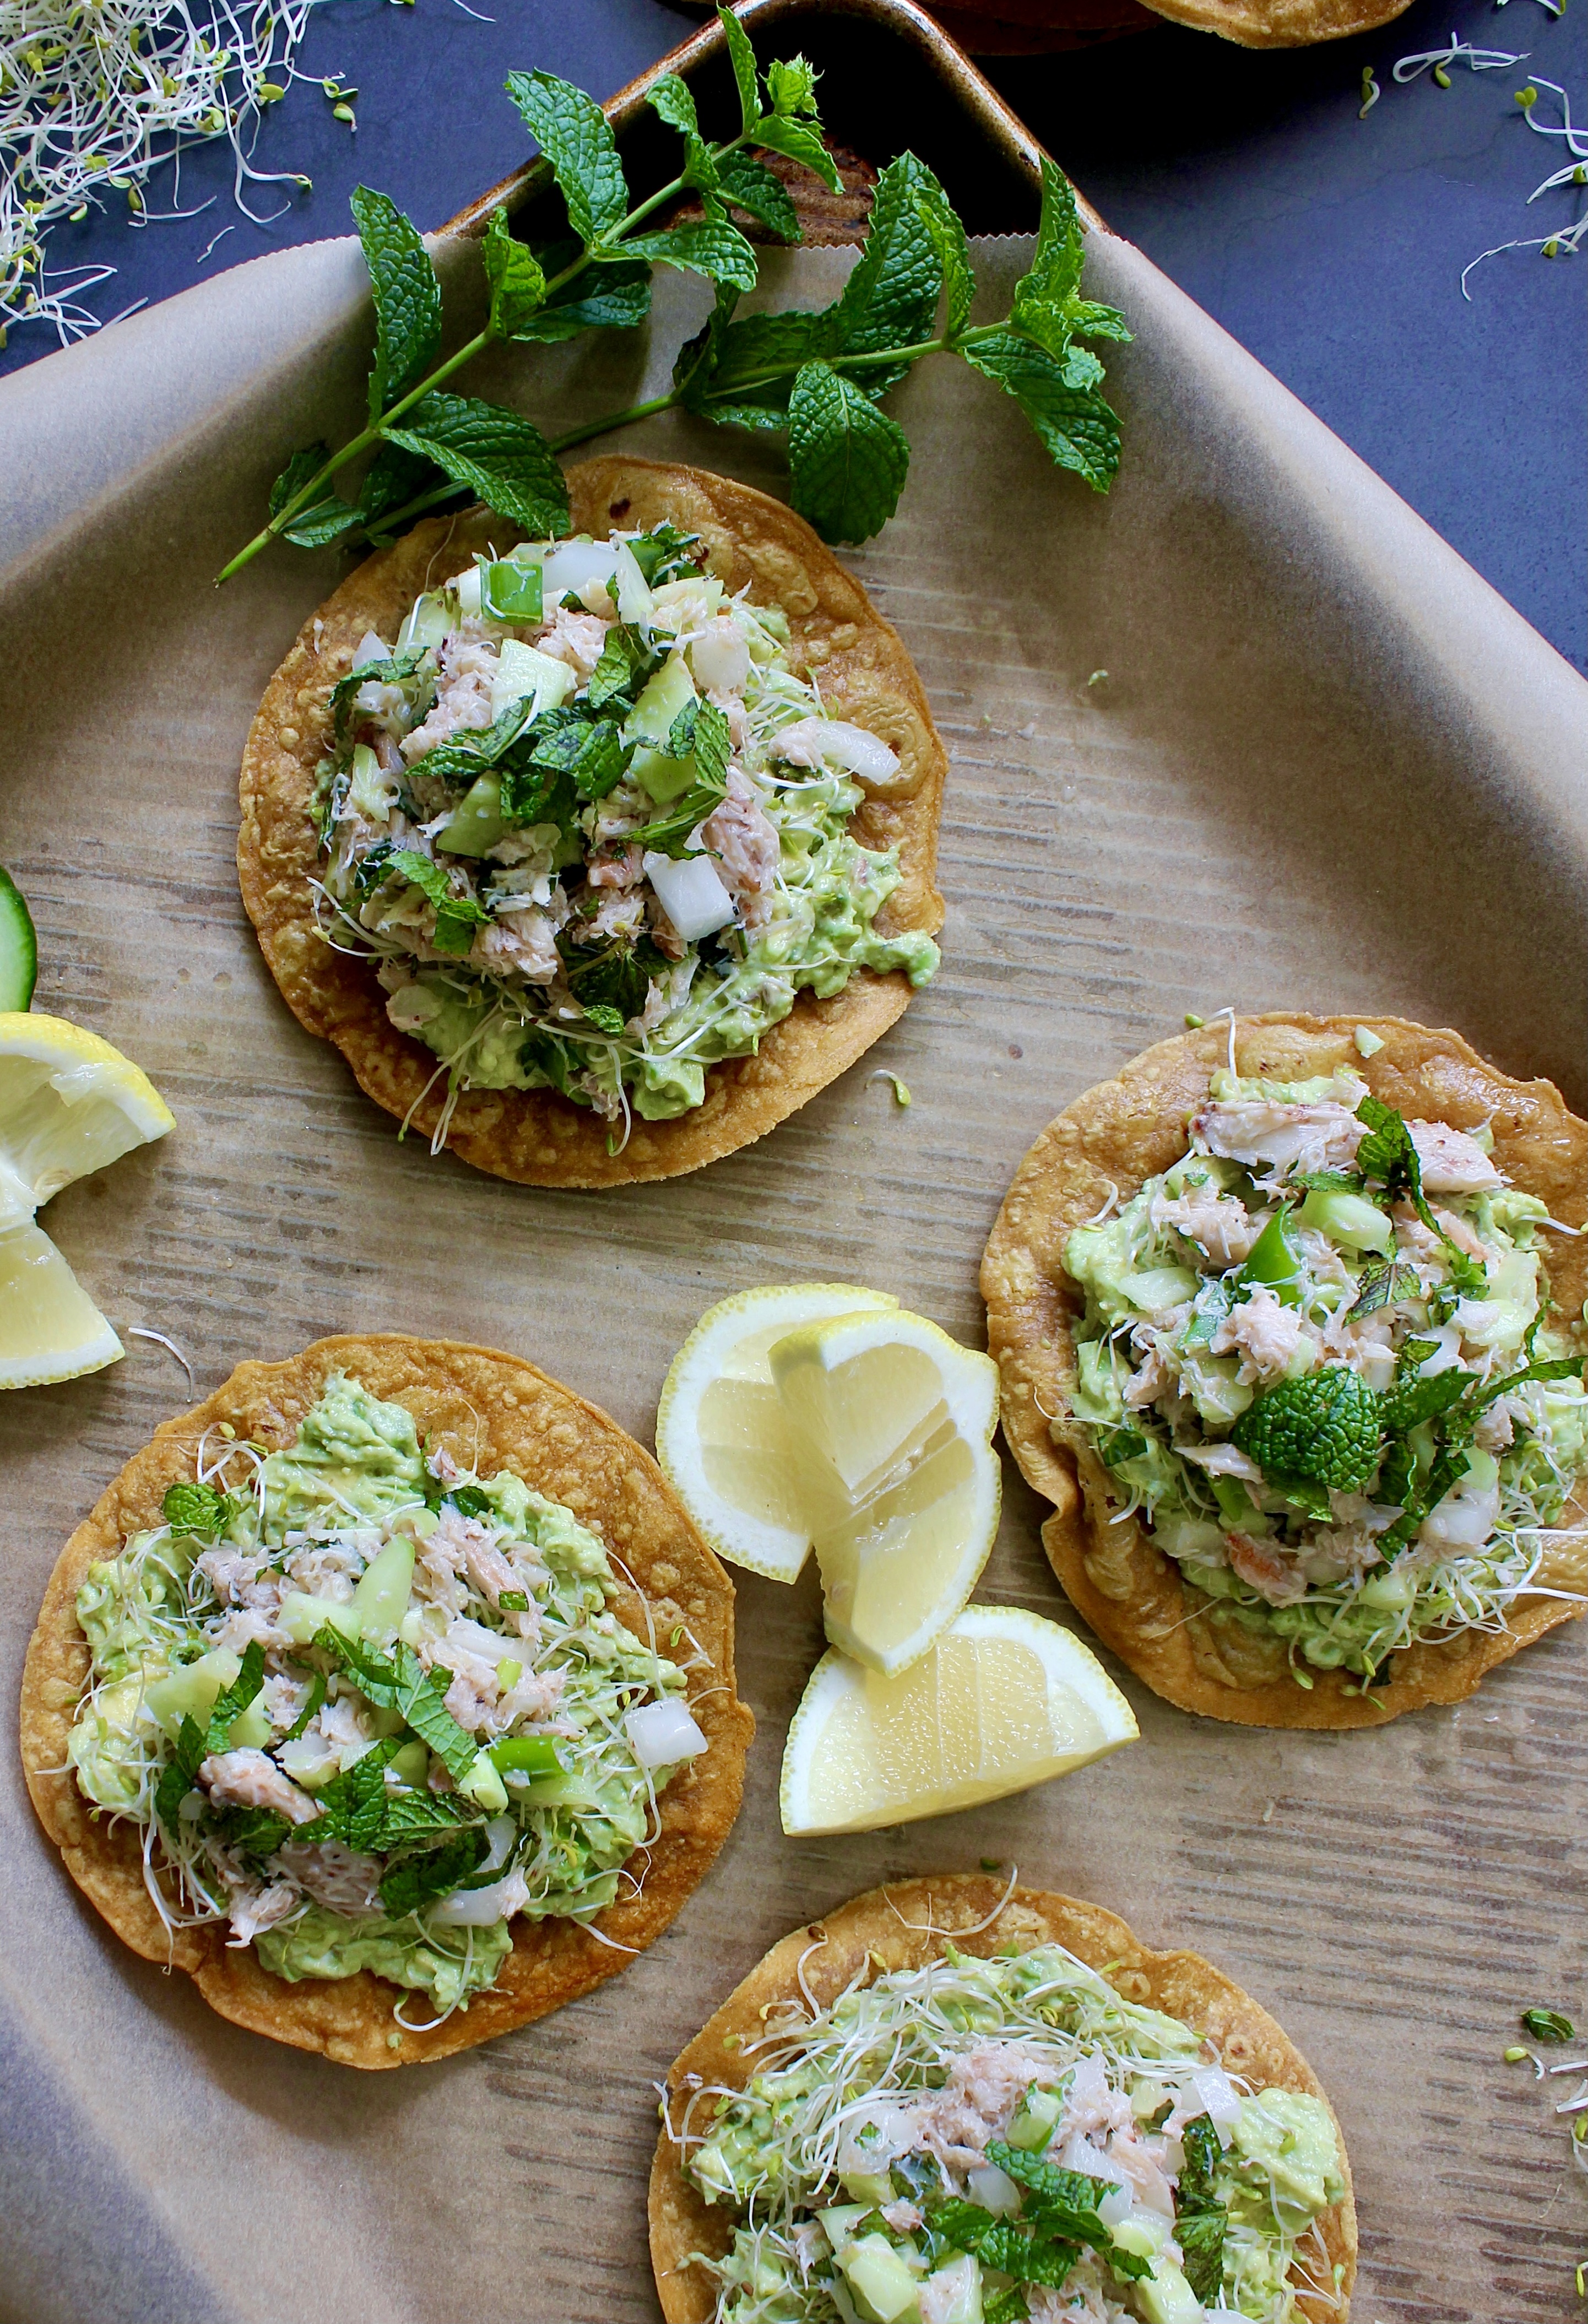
900	1481
722	1435
69	1104
1004	1701
50	1329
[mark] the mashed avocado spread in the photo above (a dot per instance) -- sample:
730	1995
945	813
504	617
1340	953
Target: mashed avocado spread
594	830
1318	1357
368	1708
978	2141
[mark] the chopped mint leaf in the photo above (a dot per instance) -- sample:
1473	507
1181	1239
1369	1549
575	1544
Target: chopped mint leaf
419	1879
400	1682
610	1021
1547	2026
255	1831
468	1501
847	460
231	1705
462	761
312	1701
197	1509
1412	1399
457	916
575	137
700	731
666	554
407	296
517	280
180	1772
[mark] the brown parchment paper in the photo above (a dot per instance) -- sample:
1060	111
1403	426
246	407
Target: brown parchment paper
1328	769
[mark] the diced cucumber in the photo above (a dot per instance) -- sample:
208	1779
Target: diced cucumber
19	948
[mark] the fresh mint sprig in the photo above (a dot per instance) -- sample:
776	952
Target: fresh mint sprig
817	379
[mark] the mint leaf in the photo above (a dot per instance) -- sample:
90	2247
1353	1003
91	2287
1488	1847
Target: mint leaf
565	741
790	87
407	295
624	661
713	247
749	185
457	916
393	477
400	1682
197	1509
614	299
942	222
700	731
1055	269
732	383
800	140
353	1805
517	280
672	100
499	454
180	1772
847	460
1325	1427
460	763
890	299
415	1880
311	1703
742	58
1077	428
575	137
235	1702
255	1831
322	521
1090	320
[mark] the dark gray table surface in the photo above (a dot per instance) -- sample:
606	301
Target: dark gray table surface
1331	246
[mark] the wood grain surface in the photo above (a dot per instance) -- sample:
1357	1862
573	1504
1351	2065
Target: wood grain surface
1274	798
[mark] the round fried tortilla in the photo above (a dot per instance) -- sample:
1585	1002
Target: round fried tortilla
538	1137
964	1906
498	1412
1187	1647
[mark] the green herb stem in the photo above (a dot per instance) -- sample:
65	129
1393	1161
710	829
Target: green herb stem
304	497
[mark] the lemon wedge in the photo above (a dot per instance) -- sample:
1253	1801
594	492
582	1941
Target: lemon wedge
70	1104
897	1476
722	1436
1004	1701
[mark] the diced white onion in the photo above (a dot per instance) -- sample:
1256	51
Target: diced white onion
854	748
574	565
994	2190
634	600
692	896
371	648
662	1733
1219	2101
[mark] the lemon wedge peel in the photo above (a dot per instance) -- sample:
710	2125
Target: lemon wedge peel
69	1104
721	1437
1005	1700
900	1479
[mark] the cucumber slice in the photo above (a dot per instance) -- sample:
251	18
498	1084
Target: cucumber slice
19	948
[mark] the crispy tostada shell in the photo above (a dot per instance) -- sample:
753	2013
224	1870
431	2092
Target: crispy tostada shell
500	1412
538	1137
1127	1129
901	1926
